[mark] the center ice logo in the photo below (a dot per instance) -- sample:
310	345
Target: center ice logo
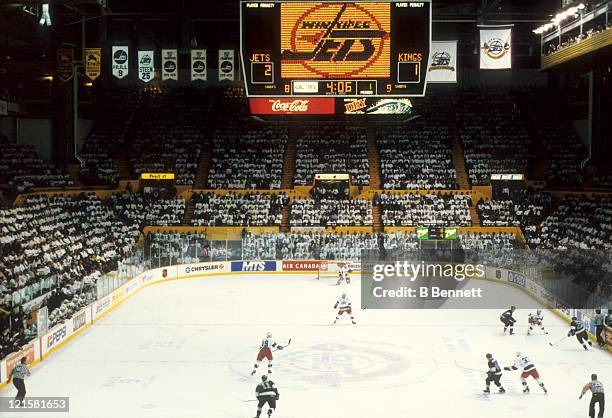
349	364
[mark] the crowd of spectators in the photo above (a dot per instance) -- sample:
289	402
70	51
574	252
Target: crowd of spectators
170	129
575	39
247	155
21	169
521	209
237	209
331	212
577	239
52	250
332	149
578	222
417	155
493	134
563	147
603	180
153	207
308	246
100	149
168	248
413	209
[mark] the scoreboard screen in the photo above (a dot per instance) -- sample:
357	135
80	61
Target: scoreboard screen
342	49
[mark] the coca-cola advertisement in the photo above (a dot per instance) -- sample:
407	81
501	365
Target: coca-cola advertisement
292	106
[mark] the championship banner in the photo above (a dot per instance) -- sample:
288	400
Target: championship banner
93	62
495	48
226	64
169	64
146	68
65	64
120	64
442	62
198	64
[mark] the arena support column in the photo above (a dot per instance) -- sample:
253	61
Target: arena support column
600	124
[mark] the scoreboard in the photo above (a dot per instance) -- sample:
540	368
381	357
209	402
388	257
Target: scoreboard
335	49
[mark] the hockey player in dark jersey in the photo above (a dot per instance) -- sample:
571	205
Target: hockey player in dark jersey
494	374
508	320
265	392
579	331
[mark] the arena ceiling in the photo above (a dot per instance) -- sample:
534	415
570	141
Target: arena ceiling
211	22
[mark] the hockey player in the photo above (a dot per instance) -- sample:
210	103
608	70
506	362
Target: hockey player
523	362
344	305
343	274
265	392
494	374
536	320
579	331
508	320
265	352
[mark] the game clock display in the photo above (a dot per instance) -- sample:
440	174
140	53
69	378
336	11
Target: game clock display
348	49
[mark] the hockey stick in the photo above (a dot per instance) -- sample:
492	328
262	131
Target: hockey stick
288	342
557	343
467	368
248	400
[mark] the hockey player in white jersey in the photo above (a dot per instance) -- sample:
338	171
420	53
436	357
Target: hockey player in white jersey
265	352
344	305
536	320
523	362
343	274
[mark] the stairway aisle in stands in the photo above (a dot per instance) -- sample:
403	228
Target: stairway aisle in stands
373	158
206	155
188	215
124	166
375	175
293	132
285	217
536	171
204	165
474	214
457	150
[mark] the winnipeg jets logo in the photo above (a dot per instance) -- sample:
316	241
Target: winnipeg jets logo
335	40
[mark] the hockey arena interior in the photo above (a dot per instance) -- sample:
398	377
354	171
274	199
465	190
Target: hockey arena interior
305	208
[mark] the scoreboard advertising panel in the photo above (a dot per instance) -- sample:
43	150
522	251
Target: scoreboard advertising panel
370	50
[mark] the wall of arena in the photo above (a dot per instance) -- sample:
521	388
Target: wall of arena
40	348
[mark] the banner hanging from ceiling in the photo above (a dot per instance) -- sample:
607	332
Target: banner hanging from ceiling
198	65
146	68
169	64
65	64
93	62
442	62
495	47
226	65
120	61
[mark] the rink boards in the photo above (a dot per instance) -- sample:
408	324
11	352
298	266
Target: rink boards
38	349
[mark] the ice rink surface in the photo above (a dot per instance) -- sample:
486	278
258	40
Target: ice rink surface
186	348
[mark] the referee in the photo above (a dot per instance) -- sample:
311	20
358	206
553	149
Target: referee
599	319
596	388
19	372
